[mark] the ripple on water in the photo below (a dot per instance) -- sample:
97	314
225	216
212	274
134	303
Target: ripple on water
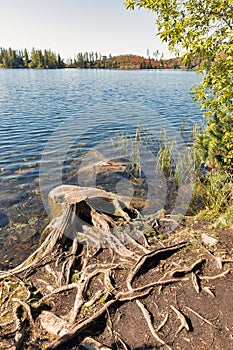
34	103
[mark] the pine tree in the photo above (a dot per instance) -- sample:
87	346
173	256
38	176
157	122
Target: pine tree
26	59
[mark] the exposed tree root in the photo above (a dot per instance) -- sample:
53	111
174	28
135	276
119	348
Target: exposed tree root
150	325
182	318
68	267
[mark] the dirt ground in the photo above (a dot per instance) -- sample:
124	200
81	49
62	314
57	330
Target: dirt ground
129	325
196	312
204	298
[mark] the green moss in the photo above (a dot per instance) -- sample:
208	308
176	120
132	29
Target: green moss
19	225
47	276
11	289
150	232
32	221
102	299
74	278
84	310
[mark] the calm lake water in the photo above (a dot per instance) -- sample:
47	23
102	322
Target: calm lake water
82	110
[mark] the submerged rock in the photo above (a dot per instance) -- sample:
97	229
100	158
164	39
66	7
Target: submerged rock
3	219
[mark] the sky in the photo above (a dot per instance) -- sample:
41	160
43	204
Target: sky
72	26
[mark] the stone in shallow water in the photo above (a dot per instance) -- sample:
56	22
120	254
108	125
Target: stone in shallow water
3	219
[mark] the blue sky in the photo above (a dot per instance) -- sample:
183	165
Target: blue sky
71	26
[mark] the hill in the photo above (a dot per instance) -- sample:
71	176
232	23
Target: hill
139	62
130	61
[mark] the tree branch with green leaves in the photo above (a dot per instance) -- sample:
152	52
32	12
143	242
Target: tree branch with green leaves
201	30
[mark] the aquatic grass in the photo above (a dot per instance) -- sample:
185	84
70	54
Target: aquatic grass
189	131
135	166
128	148
170	162
165	158
212	189
216	191
176	163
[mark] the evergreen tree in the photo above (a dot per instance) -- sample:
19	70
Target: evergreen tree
60	63
26	58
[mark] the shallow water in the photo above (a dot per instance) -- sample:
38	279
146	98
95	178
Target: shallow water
49	118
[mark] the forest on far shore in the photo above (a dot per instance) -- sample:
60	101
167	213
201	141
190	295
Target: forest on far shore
47	59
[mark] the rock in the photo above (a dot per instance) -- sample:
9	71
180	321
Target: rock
91	344
53	324
3	219
206	239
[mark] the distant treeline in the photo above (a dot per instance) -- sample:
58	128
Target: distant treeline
48	59
36	59
95	60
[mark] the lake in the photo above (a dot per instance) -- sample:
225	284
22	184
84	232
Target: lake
49	118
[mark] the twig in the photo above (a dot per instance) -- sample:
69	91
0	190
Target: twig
118	337
209	291
201	317
162	324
